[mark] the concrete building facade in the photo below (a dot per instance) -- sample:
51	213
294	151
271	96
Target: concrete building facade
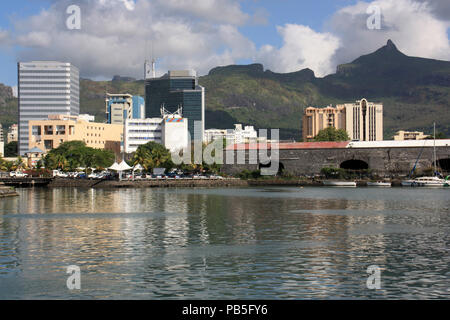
13	133
239	134
409	135
363	120
120	107
170	131
45	88
57	129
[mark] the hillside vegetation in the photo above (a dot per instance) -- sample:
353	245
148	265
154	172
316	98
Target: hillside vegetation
415	92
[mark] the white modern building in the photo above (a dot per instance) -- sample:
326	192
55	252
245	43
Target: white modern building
141	131
237	135
87	117
170	131
45	88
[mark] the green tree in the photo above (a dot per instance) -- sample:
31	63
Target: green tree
332	134
153	155
74	154
11	149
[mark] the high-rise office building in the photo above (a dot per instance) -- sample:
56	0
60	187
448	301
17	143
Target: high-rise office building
45	88
174	90
120	107
362	120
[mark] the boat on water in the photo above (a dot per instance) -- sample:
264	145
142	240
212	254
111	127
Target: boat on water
379	184
331	183
431	181
426	182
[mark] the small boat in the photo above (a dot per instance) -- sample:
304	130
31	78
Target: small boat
379	184
330	183
408	183
431	181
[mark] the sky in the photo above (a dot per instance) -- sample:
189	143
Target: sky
116	36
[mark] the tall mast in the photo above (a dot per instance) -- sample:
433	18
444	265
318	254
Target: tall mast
434	148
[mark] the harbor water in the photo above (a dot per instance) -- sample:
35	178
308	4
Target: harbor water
227	243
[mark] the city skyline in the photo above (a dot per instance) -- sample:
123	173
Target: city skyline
284	38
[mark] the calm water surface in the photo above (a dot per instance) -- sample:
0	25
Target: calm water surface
249	243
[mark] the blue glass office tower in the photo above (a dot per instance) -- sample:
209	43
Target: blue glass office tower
173	90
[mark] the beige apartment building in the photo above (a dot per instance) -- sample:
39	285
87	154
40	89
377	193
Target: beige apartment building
409	135
13	133
57	129
363	120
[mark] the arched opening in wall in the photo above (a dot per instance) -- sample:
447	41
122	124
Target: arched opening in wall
267	169
354	165
444	164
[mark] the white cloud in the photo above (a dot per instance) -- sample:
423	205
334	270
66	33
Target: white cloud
4	37
415	26
302	48
412	25
117	35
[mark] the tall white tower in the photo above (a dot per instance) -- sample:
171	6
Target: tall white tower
153	68
147	70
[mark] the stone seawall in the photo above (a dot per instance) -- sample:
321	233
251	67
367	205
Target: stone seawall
74	183
7	191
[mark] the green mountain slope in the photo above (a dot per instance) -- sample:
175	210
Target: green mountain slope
415	92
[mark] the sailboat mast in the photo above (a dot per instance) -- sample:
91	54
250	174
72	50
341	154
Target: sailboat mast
434	148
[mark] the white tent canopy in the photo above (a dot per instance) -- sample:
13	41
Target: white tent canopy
114	167
123	166
138	167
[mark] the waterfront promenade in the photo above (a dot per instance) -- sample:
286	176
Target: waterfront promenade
172	183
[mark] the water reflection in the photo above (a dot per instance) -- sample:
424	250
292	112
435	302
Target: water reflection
224	243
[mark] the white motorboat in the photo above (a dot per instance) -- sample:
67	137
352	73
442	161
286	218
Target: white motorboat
331	183
379	184
429	182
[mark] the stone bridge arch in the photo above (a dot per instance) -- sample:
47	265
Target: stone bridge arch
444	164
354	164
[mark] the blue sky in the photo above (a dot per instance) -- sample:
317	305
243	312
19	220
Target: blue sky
284	35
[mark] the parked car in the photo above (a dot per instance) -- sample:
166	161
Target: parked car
18	174
60	174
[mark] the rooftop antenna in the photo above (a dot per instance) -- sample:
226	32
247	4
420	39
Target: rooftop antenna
153	63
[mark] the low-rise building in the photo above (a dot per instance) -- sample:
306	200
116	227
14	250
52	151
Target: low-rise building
409	135
170	131
57	129
237	135
13	133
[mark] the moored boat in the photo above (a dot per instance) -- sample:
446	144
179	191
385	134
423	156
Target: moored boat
379	184
331	183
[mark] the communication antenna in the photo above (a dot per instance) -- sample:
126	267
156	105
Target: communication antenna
153	62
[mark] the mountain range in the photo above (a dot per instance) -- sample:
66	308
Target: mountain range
415	92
